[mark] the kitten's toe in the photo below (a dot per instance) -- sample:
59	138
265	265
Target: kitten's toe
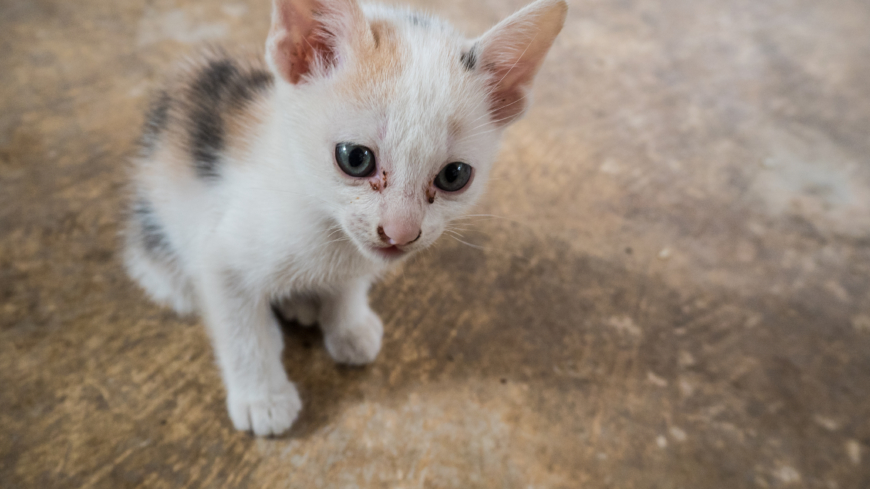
356	344
270	414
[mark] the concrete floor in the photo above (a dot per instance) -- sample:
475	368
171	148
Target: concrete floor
675	292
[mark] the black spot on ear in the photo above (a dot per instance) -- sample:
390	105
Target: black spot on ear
469	58
220	87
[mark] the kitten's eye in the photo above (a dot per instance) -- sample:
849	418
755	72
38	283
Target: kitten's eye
453	177
354	159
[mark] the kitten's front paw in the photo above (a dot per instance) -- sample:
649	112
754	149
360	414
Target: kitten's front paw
357	343
269	414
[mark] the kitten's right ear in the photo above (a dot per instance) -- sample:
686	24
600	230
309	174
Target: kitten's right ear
512	52
310	37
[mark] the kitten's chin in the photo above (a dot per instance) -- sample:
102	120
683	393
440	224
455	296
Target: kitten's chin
384	254
389	254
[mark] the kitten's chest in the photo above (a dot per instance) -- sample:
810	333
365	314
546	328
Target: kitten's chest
327	260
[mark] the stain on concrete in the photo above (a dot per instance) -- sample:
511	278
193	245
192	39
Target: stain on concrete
560	350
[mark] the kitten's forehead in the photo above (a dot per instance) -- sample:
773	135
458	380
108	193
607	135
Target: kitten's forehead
419	83
414	57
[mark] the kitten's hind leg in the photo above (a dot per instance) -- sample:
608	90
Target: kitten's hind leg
163	281
302	308
151	262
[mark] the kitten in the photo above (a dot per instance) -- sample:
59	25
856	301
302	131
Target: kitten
299	181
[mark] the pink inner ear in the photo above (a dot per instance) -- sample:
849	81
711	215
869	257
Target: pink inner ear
299	41
507	104
510	84
513	51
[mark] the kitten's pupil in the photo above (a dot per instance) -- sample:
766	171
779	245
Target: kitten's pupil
358	157
451	172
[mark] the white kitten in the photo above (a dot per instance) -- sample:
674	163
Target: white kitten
298	182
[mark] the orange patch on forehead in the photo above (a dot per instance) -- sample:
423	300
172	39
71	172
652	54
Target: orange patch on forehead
378	61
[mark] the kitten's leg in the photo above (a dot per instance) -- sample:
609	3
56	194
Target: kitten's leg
248	346
303	308
150	261
164	282
352	331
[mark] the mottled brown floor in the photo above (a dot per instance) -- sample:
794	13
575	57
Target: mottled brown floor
674	293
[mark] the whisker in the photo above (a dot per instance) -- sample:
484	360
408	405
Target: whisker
496	110
480	133
468	244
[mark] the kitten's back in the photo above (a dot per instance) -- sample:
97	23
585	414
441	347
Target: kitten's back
206	111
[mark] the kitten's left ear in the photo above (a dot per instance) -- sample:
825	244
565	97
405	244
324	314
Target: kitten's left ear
512	53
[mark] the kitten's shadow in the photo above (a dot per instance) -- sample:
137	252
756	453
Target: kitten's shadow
323	385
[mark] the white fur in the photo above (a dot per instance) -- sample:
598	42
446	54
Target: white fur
282	223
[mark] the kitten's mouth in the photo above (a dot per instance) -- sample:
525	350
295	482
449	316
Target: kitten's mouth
389	252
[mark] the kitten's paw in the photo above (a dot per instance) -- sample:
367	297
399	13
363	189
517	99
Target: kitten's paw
358	343
304	310
270	414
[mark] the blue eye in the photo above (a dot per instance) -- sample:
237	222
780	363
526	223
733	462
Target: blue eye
453	177
355	159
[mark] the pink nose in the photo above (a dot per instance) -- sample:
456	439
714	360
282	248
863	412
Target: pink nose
399	234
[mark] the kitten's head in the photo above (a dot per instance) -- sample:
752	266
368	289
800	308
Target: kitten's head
400	116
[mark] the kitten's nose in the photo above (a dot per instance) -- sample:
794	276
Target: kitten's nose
399	234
